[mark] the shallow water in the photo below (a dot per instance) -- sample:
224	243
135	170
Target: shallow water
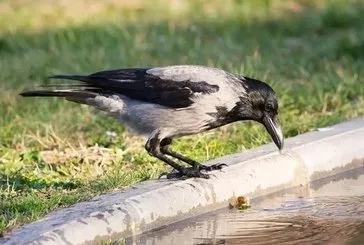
329	211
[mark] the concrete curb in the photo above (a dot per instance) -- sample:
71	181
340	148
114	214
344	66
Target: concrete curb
152	204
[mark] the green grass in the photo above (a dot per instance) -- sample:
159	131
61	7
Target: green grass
54	153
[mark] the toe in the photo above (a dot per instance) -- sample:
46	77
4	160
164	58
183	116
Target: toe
212	167
187	172
174	175
220	165
204	167
191	172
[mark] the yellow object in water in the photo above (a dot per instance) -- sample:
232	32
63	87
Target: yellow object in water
239	202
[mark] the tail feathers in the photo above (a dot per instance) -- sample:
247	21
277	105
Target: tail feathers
67	93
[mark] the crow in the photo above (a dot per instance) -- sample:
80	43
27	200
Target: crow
173	101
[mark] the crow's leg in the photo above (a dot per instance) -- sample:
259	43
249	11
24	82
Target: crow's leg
165	148
153	147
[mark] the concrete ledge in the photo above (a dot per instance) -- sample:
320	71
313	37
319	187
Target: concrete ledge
152	204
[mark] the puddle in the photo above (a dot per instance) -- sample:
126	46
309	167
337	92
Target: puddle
329	211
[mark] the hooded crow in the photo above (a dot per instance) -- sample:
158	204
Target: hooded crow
173	101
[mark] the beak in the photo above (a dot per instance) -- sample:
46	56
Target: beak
274	129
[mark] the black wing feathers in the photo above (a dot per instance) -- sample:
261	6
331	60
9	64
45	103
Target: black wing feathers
139	85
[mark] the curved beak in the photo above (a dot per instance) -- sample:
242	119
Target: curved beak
274	129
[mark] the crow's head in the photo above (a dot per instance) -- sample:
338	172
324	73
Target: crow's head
260	104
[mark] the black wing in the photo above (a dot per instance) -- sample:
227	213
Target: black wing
140	84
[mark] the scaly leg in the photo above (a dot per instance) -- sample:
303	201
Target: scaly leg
154	148
165	148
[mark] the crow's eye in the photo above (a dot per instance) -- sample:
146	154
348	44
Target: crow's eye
269	107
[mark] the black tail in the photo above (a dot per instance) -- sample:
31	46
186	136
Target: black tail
85	87
59	93
79	90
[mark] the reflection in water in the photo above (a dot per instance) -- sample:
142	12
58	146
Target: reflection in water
306	224
331	212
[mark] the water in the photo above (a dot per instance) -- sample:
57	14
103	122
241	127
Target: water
329	211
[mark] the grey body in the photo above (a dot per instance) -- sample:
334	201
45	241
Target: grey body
145	118
173	101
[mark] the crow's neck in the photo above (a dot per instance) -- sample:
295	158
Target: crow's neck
223	117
